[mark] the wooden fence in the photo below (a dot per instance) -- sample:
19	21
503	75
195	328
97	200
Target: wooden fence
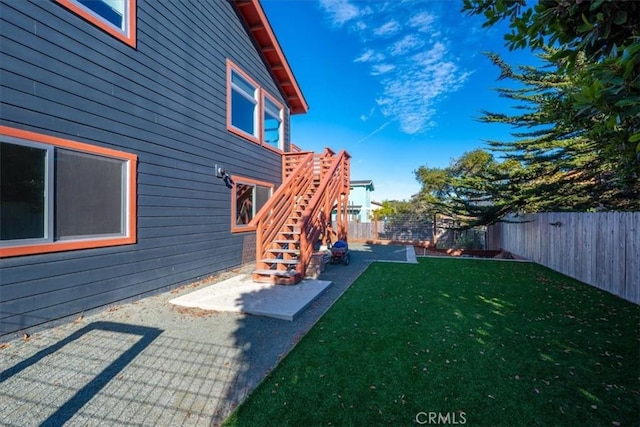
601	249
409	231
365	230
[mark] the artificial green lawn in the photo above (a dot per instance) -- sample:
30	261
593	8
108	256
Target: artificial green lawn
480	342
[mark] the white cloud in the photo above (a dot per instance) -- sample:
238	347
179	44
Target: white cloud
378	69
365	117
402	44
340	11
387	29
366	56
411	94
406	44
432	56
370	56
422	21
360	26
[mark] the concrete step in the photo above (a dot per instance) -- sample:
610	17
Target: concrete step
282	273
280	261
277	277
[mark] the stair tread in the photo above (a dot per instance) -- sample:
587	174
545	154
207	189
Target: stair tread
286	241
285	251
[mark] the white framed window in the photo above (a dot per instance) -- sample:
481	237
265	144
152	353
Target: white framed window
272	120
116	17
112	12
57	195
244	104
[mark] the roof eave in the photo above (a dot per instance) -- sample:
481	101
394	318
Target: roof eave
261	31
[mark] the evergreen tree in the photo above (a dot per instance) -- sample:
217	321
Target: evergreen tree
564	164
578	137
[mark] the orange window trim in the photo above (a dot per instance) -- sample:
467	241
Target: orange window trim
242	180
262	93
128	37
131	232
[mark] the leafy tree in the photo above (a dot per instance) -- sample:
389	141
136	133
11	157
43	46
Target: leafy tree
393	211
598	28
391	208
433	198
397	214
466	190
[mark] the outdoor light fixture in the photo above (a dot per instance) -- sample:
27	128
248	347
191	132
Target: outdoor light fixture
224	175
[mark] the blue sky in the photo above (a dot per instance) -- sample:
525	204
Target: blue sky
398	83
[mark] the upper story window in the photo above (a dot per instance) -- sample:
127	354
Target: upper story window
273	124
116	17
244	104
252	112
61	195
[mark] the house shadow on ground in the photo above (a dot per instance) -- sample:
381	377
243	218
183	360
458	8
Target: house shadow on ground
65	366
151	363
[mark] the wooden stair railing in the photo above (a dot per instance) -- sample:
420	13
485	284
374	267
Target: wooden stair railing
332	192
292	220
277	241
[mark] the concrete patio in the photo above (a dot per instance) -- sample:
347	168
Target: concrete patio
240	294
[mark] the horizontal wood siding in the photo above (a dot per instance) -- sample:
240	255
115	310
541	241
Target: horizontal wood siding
601	249
164	101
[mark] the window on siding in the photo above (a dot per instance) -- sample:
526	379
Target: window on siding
111	11
60	197
23	201
90	195
244	104
252	112
116	17
272	124
249	197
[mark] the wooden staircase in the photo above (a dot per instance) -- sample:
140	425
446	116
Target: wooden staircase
299	213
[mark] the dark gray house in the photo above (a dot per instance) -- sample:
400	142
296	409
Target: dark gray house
145	144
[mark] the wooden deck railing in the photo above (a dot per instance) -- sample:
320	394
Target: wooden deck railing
290	162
